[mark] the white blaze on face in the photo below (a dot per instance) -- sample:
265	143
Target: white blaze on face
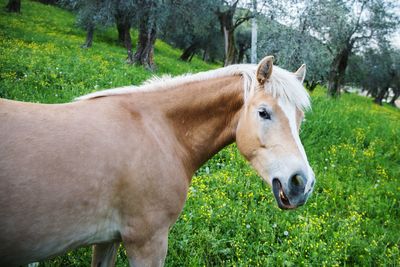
290	112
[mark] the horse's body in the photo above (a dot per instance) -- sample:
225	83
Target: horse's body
116	167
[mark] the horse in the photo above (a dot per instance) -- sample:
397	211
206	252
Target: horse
116	165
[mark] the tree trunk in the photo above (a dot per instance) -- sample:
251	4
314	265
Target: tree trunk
384	92
381	94
241	55
121	32
89	36
123	22
333	82
191	57
128	42
385	97
205	55
228	29
144	54
242	52
229	39
311	85
14	6
145	49
337	71
230	52
189	52
371	92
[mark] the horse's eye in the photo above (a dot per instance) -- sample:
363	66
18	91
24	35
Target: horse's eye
264	114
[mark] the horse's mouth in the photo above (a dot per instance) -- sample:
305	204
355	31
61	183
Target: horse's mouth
280	196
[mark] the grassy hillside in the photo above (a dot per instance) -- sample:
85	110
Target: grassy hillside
231	217
41	59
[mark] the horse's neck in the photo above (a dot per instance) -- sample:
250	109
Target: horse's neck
204	116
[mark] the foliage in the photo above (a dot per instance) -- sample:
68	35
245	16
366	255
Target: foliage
377	71
231	218
243	42
292	48
90	12
346	26
323	34
339	23
191	25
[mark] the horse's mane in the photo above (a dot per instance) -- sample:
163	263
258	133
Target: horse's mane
281	84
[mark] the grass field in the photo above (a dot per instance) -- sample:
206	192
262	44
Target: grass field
231	218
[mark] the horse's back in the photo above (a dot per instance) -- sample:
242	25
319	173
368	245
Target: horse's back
54	173
70	173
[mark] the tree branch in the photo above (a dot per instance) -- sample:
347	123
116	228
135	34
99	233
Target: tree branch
329	48
240	20
357	25
369	36
235	4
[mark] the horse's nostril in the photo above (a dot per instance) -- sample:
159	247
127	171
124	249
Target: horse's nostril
296	181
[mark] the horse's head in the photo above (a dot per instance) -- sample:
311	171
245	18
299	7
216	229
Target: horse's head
268	133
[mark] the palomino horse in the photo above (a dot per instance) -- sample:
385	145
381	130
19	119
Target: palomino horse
116	165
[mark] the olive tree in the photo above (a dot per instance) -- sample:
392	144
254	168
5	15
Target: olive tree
192	26
95	13
380	72
292	46
225	12
345	27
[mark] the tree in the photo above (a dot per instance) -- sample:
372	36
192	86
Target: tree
377	70
102	13
292	46
386	75
229	23
147	17
383	74
14	6
90	14
344	26
396	93
396	79
125	15
243	43
190	26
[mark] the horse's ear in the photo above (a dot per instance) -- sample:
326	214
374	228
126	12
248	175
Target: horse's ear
264	69
301	73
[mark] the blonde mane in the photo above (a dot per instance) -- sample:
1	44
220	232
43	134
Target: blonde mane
281	84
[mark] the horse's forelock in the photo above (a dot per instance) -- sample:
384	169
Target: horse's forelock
285	84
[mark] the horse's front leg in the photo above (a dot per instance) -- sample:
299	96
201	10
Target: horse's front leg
147	252
104	254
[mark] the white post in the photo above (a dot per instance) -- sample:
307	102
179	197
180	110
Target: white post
254	34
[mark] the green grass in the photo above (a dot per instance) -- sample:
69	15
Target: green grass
41	59
231	218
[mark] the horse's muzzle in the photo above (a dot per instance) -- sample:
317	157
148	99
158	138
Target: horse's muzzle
294	195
